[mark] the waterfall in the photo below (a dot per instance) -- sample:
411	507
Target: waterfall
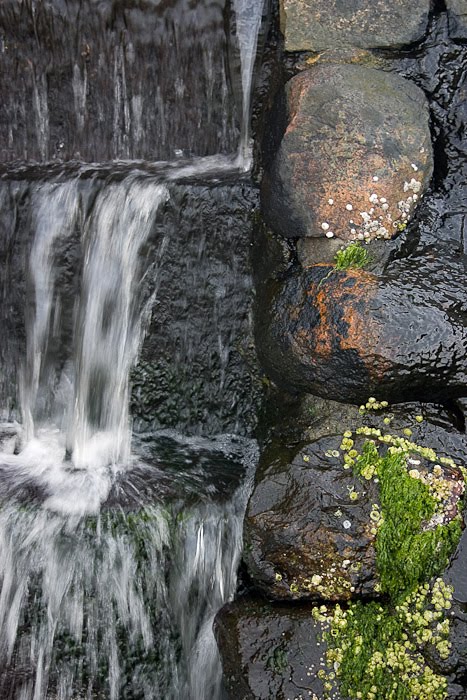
109	325
118	548
248	15
119	604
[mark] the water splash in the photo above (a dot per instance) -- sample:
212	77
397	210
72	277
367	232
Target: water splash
118	603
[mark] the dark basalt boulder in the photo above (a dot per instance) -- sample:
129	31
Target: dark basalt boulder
269	651
310	523
347	334
278	651
304	535
314	25
355	157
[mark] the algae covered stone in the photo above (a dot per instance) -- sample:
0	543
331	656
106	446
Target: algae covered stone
359	514
315	25
355	158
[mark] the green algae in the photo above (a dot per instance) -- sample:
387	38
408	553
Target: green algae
375	650
353	256
407	551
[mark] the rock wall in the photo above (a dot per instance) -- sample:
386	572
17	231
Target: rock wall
354	545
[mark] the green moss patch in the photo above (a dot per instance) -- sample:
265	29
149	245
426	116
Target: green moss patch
353	256
410	547
374	651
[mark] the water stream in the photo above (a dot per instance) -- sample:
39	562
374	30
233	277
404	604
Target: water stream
116	548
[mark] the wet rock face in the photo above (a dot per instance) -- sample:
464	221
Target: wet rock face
305	535
457	15
274	651
311	526
100	80
355	158
268	652
346	334
314	25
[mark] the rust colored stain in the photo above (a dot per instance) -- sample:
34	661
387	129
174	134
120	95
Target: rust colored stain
324	332
362	332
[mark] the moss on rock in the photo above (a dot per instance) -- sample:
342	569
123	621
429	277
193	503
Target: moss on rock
375	651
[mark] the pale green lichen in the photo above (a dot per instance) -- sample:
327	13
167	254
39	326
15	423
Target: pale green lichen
374	651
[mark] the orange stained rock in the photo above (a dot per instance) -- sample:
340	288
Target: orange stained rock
340	295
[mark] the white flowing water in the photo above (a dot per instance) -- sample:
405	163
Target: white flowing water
248	16
112	563
118	604
109	321
102	601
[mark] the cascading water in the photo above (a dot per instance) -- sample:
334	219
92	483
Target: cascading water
248	15
117	551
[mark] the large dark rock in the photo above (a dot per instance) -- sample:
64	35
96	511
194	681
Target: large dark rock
355	157
346	334
314	25
276	652
304	535
309	526
269	651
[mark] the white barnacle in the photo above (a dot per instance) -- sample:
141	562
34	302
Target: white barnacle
329	234
325	226
375	178
373	198
346	524
330	201
414	167
349	207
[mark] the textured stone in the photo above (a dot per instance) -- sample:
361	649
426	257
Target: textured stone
355	158
274	652
457	14
269	651
314	25
308	526
304	535
347	334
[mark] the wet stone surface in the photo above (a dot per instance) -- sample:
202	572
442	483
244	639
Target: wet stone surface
277	651
311	25
355	158
304	535
269	651
345	334
310	523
